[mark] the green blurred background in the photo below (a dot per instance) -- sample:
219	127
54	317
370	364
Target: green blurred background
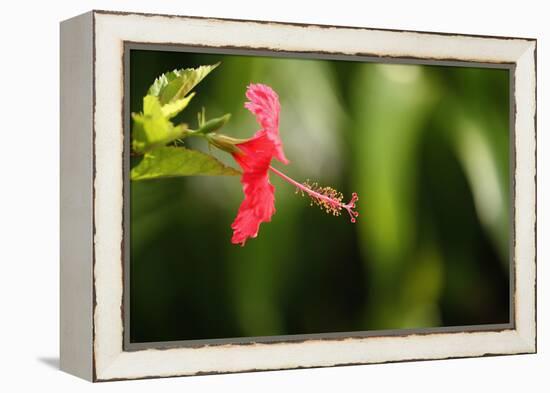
425	147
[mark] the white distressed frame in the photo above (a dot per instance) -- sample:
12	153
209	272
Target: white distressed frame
108	360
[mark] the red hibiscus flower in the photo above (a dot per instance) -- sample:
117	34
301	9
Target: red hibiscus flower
254	157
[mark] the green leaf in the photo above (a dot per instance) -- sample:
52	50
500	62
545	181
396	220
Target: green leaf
152	128
173	108
171	161
175	85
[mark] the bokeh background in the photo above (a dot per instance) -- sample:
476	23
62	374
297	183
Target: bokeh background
425	147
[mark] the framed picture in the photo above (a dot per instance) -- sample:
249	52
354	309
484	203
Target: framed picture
244	195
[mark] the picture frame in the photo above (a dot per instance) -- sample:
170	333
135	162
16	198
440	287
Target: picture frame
95	161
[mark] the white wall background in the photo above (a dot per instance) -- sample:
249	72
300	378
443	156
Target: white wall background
29	180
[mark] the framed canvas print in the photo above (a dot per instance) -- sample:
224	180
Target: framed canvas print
244	195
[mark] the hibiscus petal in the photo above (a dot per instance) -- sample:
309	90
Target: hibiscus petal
256	153
259	194
258	206
264	104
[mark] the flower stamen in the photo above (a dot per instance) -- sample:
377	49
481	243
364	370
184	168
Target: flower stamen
327	198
